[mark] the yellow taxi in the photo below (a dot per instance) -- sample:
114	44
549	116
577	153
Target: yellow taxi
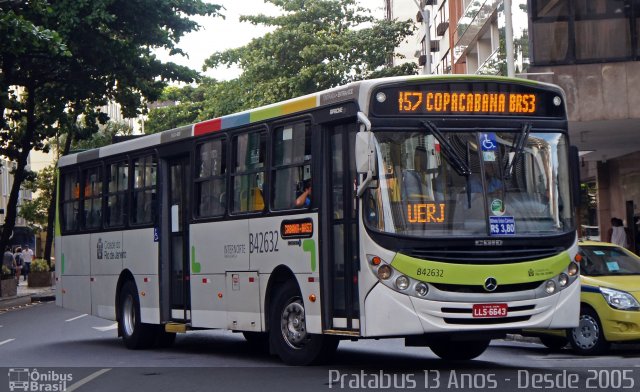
610	308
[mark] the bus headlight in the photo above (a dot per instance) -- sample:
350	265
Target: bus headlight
550	286
422	289
563	279
573	269
384	272
402	282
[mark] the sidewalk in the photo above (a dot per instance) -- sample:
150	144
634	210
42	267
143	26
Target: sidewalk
28	295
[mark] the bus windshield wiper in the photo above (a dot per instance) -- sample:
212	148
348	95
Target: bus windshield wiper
517	148
459	165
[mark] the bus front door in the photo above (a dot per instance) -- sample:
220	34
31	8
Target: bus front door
341	261
177	226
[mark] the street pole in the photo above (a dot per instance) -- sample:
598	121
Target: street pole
508	38
426	46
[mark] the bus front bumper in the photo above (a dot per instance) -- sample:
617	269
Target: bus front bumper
390	313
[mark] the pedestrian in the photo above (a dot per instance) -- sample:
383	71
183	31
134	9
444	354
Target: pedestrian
8	260
27	258
617	234
17	256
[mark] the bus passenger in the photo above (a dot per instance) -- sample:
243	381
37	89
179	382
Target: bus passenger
304	200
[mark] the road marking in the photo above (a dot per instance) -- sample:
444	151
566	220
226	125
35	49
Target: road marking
107	328
85	380
75	318
6	341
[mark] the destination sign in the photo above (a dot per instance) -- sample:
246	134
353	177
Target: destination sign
299	228
467	98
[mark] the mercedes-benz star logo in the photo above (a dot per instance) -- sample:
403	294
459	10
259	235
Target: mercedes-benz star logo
491	284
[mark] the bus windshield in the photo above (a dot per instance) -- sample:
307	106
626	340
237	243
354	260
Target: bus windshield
470	183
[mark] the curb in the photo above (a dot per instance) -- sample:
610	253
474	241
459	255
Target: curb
8	303
25	299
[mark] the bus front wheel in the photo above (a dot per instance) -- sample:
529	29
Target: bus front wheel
288	335
459	351
136	335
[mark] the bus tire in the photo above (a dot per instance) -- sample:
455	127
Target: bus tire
588	337
135	334
459	351
288	337
554	343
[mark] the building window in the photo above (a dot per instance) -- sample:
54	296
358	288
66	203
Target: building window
248	172
291	165
144	198
584	31
210	184
118	184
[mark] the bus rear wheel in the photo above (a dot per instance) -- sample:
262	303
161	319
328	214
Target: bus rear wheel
288	336
459	351
136	335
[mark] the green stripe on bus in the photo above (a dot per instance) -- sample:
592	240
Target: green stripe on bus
195	266
310	246
265	114
448	273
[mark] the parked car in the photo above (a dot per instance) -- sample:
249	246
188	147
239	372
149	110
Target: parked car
610	300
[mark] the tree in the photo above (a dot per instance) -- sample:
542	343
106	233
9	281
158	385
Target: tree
68	57
315	45
36	211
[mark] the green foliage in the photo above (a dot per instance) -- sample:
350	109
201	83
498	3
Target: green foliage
103	137
315	45
35	211
62	59
39	265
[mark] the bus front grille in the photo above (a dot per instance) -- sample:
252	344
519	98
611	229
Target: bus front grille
489	255
476	289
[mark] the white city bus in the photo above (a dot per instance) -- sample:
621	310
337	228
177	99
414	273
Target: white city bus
441	211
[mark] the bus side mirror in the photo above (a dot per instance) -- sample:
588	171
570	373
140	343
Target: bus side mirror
365	152
365	159
574	164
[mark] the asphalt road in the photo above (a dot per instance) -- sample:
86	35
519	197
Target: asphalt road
58	348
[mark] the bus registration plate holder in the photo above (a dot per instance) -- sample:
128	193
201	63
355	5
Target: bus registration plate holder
489	310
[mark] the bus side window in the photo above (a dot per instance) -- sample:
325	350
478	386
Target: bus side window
248	174
118	185
144	190
291	164
70	200
210	178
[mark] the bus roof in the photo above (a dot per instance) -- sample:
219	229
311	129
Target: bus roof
350	92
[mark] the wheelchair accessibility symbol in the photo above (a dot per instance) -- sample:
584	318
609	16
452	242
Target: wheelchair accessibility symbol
488	141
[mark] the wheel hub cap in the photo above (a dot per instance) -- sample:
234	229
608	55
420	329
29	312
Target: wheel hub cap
587	333
293	325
